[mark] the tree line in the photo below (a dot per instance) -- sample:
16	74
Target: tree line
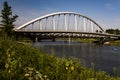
113	31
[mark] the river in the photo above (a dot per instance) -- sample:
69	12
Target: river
102	57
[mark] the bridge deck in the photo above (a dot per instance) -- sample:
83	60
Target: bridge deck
38	31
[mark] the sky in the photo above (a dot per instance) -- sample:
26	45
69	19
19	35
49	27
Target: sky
105	12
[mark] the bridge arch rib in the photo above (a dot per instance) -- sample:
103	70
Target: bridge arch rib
60	13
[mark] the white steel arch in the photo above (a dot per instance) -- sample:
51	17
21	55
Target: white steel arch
58	13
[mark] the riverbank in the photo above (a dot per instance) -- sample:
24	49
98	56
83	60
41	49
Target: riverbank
21	61
81	40
115	43
87	40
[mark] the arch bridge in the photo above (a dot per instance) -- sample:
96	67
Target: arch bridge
63	24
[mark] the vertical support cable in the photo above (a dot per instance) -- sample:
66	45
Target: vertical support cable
69	21
98	28
75	22
84	24
40	25
91	25
46	24
78	24
25	28
87	24
53	22
65	20
32	25
58	22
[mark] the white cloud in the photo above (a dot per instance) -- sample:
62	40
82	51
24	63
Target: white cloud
109	6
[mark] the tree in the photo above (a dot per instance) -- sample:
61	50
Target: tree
7	20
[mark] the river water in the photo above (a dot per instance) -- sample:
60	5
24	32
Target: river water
103	57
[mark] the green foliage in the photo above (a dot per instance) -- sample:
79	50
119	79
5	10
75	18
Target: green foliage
15	57
19	61
7	20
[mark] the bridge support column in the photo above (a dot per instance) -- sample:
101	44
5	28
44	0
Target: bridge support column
53	39
36	39
69	40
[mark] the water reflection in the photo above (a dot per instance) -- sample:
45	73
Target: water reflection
103	57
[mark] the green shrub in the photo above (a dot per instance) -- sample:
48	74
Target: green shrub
15	57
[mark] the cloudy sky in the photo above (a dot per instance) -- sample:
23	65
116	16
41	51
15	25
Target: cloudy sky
104	12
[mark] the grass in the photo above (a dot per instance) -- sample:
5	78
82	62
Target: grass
115	43
84	40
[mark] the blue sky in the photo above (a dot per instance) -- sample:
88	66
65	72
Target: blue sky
104	12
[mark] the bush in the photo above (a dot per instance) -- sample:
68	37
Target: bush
15	57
